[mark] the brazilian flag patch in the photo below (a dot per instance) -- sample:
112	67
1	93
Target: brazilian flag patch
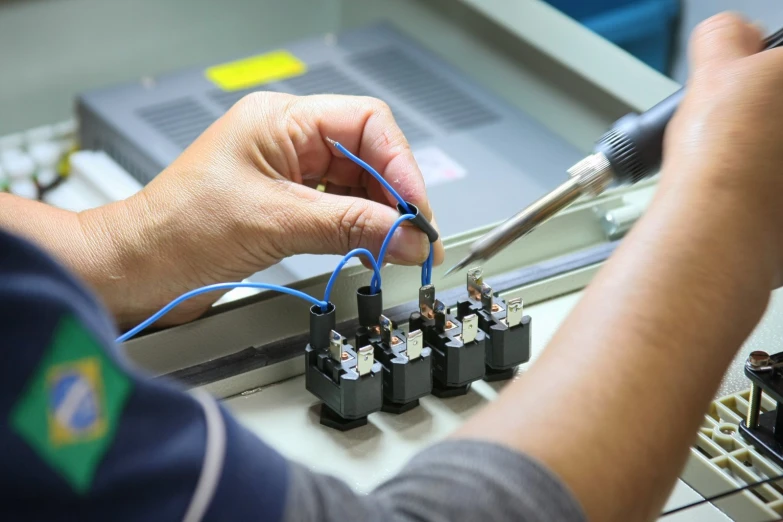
72	405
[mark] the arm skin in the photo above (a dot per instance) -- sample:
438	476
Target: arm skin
81	241
616	399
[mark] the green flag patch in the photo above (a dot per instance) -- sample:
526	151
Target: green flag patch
72	404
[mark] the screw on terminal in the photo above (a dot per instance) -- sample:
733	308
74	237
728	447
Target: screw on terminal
757	361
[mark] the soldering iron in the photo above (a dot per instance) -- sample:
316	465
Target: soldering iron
630	152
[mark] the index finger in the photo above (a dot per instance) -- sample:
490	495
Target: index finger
366	127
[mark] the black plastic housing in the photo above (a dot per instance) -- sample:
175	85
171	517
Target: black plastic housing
420	221
634	145
767	437
370	306
405	381
507	346
321	325
347	396
454	365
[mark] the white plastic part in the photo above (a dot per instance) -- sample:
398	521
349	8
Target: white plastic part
25	188
46	177
66	145
17	164
70	196
39	134
101	174
65	129
95	180
721	460
617	221
11	141
45	154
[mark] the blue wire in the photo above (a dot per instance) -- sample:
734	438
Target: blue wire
211	288
353	253
374	174
375	284
426	268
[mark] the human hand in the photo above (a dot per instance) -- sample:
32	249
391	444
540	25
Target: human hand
724	146
241	198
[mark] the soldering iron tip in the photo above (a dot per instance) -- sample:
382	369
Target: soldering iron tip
459	266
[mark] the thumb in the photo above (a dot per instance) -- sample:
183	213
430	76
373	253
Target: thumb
722	39
325	223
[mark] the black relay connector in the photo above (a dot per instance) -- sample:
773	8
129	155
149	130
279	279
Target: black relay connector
406	362
346	380
508	329
458	347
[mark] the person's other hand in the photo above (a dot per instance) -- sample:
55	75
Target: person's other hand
241	198
724	146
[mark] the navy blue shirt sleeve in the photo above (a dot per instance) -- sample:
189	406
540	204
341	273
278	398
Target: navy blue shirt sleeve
85	437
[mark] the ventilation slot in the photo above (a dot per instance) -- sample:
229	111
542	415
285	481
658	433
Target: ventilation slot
324	79
181	121
227	99
427	92
327	79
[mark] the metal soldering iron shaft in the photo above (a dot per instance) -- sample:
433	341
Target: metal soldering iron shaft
522	223
589	176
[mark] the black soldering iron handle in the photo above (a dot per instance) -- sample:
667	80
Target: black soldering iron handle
634	145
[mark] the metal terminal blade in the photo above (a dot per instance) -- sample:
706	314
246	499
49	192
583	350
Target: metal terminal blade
486	297
365	360
439	312
475	280
469	328
427	301
415	344
515	312
386	329
336	342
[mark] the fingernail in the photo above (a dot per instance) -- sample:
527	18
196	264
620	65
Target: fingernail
408	245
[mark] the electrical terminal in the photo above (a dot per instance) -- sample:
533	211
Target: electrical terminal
457	345
507	328
406	363
764	429
346	380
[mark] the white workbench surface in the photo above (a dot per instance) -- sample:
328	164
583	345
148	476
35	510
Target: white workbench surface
286	416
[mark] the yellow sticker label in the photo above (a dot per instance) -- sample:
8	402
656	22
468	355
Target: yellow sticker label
256	70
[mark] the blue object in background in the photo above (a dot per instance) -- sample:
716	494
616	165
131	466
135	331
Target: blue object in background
644	28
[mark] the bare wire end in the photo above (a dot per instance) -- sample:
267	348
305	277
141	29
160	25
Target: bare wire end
330	141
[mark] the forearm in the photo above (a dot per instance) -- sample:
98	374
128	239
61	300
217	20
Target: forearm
615	401
94	244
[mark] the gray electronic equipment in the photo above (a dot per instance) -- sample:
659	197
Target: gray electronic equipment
482	158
